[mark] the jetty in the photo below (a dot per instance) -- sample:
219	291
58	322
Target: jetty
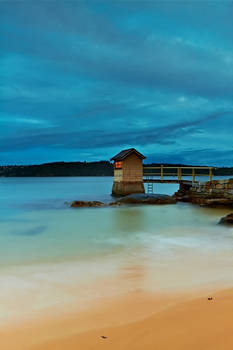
152	175
160	172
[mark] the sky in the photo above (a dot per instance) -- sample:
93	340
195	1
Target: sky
82	80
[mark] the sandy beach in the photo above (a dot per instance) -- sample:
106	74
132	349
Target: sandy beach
133	321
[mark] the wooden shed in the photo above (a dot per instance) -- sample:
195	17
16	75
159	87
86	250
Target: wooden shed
128	172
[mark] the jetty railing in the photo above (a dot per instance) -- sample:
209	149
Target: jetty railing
179	172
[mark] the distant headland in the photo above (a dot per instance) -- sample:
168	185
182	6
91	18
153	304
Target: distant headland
100	168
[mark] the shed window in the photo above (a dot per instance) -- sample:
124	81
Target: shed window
118	165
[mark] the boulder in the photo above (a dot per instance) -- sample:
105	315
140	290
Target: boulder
143	198
227	220
81	204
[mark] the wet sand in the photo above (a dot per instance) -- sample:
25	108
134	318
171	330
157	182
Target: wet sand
133	321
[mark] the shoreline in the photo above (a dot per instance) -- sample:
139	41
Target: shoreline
135	320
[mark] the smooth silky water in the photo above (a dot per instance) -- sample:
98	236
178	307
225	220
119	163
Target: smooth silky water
52	255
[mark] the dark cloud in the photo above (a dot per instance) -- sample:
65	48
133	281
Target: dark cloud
164	135
83	79
206	157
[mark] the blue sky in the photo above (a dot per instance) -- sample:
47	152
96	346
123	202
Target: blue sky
81	80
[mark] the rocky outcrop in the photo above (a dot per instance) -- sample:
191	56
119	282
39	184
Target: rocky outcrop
81	204
141	198
227	220
138	198
217	193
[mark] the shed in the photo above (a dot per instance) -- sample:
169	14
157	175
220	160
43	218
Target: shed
128	172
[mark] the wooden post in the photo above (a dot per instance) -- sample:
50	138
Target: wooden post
211	174
179	173
162	172
193	174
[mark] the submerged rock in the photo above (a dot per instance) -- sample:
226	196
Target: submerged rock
143	198
81	204
227	220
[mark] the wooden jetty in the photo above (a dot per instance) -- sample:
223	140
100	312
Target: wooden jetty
177	172
159	174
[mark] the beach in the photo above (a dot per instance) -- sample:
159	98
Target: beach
137	321
133	277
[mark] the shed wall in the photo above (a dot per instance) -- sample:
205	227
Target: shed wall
132	169
118	175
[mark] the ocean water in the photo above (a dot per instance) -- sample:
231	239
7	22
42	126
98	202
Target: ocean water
53	255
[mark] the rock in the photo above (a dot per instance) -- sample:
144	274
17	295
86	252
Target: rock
81	204
217	193
216	202
115	204
142	198
183	198
227	220
183	194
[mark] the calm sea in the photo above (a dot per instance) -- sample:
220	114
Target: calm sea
49	252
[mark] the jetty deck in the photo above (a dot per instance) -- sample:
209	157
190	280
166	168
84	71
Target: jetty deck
168	181
158	174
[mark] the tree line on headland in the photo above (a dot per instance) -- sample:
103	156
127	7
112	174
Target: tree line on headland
101	168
